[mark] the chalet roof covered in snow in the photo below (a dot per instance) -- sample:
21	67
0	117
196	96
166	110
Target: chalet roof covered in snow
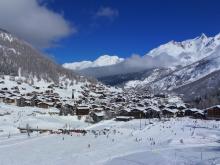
170	110
153	108
81	107
99	114
215	106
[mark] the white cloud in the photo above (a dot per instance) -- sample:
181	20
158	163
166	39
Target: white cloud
107	12
132	64
33	22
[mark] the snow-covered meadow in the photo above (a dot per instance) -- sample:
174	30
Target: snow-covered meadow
173	141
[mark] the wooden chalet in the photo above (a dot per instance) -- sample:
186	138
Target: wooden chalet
199	115
171	106
98	109
166	112
213	112
11	100
21	102
123	118
97	116
152	112
82	110
190	111
1	97
124	112
181	106
65	110
138	112
180	113
45	105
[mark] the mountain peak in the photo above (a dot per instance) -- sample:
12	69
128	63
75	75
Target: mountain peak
104	60
203	36
188	51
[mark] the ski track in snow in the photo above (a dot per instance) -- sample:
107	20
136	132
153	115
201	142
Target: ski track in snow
126	145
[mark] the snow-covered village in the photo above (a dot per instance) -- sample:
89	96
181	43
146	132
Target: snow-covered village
61	102
96	124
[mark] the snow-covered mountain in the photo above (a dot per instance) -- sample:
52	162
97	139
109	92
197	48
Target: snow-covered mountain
188	51
104	60
19	58
197	80
170	56
152	76
186	55
25	71
191	72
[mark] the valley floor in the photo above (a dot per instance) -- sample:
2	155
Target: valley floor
174	141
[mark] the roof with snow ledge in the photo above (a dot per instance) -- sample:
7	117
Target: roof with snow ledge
153	108
195	110
99	114
170	110
215	106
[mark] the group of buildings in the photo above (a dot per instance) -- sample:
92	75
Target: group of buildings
98	103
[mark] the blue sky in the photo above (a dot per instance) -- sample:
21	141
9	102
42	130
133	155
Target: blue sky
124	27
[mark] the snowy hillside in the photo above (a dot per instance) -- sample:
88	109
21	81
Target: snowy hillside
25	86
191	72
15	88
197	83
104	60
153	76
17	57
188	51
198	57
27	75
172	141
193	75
